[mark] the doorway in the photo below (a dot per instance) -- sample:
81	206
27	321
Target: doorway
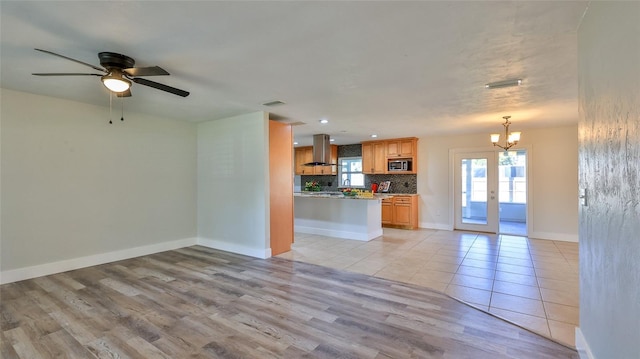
491	191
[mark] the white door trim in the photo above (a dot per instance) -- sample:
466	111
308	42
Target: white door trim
451	189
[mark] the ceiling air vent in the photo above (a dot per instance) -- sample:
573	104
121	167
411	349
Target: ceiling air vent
273	103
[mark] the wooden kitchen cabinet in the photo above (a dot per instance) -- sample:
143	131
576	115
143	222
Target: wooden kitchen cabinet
305	155
377	154
367	158
334	159
387	211
401	148
374	159
400	211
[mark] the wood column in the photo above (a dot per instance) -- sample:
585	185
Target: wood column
280	187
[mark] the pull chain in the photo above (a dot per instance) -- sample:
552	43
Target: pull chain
110	106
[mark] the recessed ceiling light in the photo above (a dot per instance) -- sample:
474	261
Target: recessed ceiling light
324	120
332	140
374	136
295	143
501	84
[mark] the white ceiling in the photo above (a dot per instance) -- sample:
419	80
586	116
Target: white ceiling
393	68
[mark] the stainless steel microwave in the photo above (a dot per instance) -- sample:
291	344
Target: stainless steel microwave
399	165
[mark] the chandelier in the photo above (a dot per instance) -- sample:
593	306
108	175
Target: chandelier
511	139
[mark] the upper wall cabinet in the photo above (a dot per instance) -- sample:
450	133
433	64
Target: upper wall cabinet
376	155
304	155
403	147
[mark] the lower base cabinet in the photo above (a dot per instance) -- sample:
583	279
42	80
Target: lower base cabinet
400	211
387	211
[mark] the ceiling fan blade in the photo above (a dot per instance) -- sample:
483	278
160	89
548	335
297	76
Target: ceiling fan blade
160	86
146	71
126	93
64	74
74	60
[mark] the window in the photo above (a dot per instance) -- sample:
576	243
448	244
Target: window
350	172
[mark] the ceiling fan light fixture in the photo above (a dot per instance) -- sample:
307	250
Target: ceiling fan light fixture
120	71
116	83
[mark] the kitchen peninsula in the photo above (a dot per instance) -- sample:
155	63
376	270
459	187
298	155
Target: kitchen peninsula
390	161
332	214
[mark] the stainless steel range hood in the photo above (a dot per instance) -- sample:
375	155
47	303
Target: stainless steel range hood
321	151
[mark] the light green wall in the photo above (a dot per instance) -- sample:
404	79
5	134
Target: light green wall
233	184
74	186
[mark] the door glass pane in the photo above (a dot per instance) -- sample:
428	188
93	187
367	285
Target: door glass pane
474	190
512	190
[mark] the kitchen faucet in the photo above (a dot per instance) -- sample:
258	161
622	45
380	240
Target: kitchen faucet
346	182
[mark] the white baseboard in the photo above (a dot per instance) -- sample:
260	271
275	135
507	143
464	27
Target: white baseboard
40	270
582	346
554	236
340	233
439	226
537	235
235	248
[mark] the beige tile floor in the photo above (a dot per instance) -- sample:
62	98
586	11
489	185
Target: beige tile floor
530	282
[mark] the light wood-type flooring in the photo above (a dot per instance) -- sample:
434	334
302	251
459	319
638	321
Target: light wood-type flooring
201	303
531	282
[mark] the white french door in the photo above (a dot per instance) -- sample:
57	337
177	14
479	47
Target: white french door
476	200
491	191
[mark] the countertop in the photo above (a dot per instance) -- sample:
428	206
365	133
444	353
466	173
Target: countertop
402	194
339	195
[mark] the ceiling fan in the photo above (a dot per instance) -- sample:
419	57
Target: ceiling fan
117	73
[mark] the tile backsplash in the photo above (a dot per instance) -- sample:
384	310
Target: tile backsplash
350	150
399	183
